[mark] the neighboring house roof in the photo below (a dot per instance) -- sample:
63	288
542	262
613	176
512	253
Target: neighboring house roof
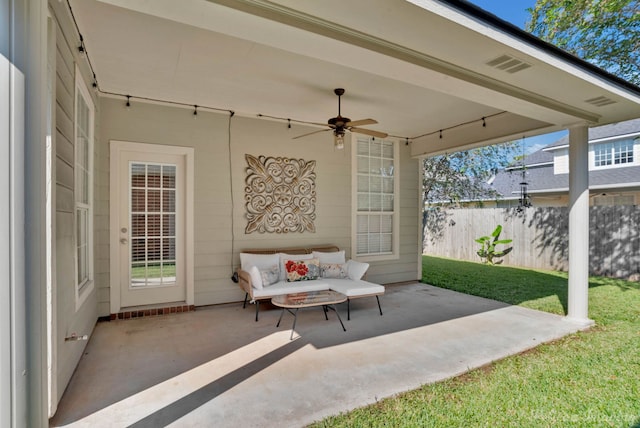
612	130
540	176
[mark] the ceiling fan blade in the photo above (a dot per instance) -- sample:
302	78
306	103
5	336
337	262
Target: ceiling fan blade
362	122
311	133
369	132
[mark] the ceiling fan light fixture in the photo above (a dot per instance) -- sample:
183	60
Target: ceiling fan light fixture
338	139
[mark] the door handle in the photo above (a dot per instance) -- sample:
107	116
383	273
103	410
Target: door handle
123	240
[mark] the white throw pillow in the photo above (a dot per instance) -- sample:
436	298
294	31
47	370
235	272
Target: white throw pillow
283	257
330	258
270	276
261	261
334	270
256	277
356	269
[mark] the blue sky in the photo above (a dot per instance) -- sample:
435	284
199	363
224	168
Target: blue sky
515	12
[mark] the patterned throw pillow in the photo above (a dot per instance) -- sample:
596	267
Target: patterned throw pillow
270	275
334	270
302	270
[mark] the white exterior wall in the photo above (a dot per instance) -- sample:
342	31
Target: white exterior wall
561	161
67	319
220	224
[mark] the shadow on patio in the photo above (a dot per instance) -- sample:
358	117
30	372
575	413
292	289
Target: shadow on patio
217	367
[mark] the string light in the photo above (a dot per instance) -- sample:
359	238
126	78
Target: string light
81	48
128	104
195	111
482	120
288	123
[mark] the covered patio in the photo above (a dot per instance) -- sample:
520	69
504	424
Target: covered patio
215	367
101	92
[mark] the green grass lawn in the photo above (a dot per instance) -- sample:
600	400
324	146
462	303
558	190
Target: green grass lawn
588	379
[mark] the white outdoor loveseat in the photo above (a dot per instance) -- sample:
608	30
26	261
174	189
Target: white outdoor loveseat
342	276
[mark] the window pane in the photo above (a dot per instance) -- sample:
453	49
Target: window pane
363	224
363	202
374	224
169	249
387	150
363	244
169	177
387	168
138	225
153	201
138	250
363	147
153	249
153	225
82	245
168	225
376	184
375	164
138	200
374	243
386	224
375	149
168	201
138	175
375	202
385	243
387	203
363	183
387	185
153	176
363	165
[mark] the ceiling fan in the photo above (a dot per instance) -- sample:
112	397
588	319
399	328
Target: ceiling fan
340	125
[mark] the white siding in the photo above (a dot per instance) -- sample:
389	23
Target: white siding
561	161
68	319
220	172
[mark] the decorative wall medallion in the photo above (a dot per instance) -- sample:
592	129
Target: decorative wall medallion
280	195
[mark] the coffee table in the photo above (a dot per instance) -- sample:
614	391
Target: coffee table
325	298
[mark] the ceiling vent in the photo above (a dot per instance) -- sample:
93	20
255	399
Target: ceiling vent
600	101
508	63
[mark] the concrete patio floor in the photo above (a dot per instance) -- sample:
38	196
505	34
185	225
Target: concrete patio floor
217	367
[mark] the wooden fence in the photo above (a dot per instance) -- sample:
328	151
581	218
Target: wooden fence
540	236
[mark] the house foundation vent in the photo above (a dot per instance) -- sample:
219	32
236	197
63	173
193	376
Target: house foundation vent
508	63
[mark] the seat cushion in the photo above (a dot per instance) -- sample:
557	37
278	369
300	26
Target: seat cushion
284	287
353	288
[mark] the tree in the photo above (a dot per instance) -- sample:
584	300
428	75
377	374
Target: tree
603	32
455	177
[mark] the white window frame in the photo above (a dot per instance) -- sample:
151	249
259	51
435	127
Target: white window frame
634	140
395	239
84	289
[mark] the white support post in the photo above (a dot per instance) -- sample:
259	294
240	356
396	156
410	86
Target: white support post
578	299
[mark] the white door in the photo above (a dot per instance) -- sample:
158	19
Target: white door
151	228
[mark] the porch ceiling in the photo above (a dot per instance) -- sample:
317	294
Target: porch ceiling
414	68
